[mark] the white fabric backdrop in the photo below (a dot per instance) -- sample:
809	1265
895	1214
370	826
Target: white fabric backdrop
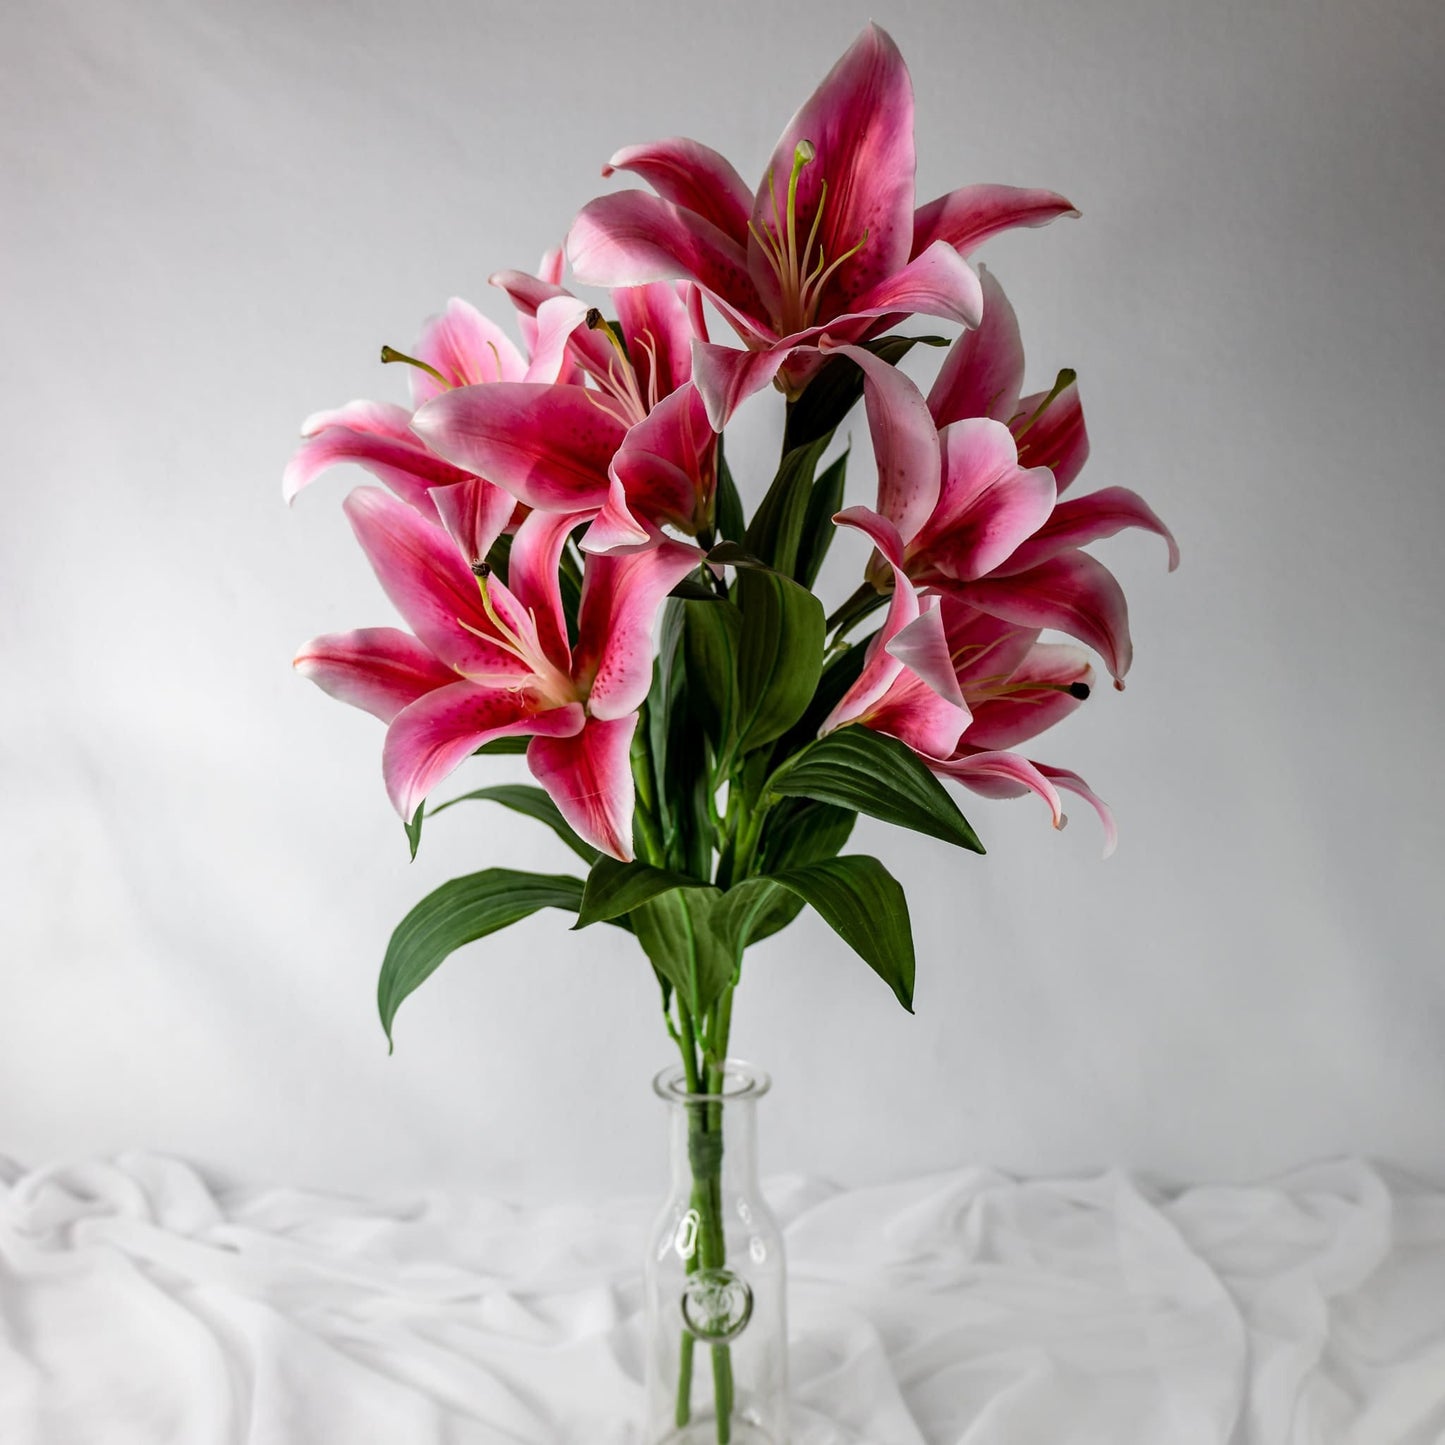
141	1307
215	212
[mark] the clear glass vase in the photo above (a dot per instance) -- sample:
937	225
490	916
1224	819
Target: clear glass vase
717	1332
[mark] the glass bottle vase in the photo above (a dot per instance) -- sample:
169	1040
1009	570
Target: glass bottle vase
717	1334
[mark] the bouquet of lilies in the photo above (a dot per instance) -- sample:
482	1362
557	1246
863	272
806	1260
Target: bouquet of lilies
582	580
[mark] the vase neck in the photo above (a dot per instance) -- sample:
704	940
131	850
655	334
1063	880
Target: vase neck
714	1135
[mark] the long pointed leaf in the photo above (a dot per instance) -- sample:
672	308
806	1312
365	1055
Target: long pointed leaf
863	903
458	913
776	531
859	769
824	501
615	888
531	802
780	655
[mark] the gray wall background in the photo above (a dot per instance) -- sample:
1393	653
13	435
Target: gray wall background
214	213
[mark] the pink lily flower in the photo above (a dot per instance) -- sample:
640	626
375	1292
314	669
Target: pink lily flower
908	687
960	512
461	347
486	661
633	448
830	241
1016	687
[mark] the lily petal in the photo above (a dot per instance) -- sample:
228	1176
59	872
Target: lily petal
859	122
631	238
883	533
532	578
905	442
375	435
983	372
1073	783
667	463
475	513
967	217
1035	697
427	740
467	348
549	446
588	774
1056	437
620	598
1082	520
423	573
922	647
1003	775
529	294
985	650
659	333
615	528
937	282
557	321
378	669
693	176
881	669
987	504
914	714
726	377
1071	592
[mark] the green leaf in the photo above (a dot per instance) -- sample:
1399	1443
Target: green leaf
776	531
728	506
502	747
838	384
679	933
458	913
730	554
824	500
691	590
615	888
710	647
413	830
798	831
780	655
863	903
500	557
838	676
532	803
863	770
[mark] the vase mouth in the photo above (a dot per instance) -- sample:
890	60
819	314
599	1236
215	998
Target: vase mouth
741	1082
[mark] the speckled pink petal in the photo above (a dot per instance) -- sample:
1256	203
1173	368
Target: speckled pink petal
620	598
983	372
659	334
987	503
588	774
905	442
427	740
549	446
423	572
378	669
859	122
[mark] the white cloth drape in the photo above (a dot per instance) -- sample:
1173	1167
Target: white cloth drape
140	1307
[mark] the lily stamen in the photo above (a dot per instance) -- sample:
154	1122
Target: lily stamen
1065	379
390	354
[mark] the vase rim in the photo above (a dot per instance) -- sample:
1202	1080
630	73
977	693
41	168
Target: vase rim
742	1083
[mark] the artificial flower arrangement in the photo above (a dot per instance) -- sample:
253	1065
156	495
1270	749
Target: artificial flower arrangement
583	583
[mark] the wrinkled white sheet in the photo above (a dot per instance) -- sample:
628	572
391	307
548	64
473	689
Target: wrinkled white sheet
139	1307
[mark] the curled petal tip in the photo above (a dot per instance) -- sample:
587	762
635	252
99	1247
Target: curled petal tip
1118	684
